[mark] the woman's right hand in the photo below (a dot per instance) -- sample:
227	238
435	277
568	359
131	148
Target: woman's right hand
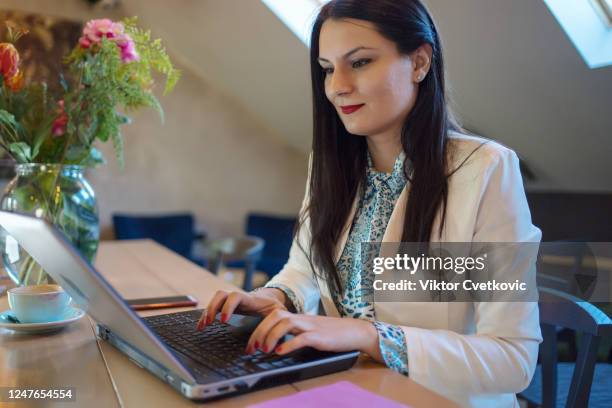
261	303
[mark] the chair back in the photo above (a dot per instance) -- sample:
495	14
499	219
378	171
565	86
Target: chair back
174	231
559	309
277	232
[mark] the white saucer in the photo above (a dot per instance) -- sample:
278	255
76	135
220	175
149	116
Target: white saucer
71	316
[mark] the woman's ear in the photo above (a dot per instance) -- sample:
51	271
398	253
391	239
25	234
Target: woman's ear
421	61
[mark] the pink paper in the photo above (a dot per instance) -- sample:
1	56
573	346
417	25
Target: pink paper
342	394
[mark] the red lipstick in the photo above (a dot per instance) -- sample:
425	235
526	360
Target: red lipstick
348	109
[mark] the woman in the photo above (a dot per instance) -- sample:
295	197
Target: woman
390	164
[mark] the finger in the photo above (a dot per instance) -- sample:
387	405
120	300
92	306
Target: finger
233	300
211	310
284	326
215	304
262	329
306	339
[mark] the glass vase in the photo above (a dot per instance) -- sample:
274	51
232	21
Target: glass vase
61	195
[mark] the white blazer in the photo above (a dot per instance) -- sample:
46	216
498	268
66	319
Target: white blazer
474	353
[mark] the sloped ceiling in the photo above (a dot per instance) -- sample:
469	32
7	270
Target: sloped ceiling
514	76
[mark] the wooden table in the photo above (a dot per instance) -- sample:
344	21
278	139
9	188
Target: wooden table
103	377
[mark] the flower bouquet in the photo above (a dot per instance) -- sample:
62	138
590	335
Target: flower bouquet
52	135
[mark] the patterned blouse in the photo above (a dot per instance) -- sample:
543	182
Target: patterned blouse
369	224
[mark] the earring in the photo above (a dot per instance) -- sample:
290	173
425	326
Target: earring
420	78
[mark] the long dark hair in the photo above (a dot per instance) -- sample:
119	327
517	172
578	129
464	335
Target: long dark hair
339	159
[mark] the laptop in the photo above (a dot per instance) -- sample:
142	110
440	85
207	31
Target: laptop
200	365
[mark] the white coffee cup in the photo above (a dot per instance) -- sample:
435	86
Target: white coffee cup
39	303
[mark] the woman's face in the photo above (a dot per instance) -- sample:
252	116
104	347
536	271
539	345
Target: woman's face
371	85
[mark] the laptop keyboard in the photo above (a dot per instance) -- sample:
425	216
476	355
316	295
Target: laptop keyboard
215	347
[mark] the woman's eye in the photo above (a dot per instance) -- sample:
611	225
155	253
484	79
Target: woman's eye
361	62
327	71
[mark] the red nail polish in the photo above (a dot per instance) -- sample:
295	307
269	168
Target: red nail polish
223	318
278	349
256	344
265	348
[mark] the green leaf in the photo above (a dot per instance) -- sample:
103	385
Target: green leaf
118	145
40	135
63	82
154	103
21	152
91	131
173	77
8	118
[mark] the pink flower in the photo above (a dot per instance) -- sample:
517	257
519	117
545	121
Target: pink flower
96	30
84	42
128	49
59	124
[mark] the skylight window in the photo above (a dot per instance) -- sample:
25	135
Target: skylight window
298	15
583	23
604	8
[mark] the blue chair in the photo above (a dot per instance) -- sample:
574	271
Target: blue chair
584	383
174	231
277	232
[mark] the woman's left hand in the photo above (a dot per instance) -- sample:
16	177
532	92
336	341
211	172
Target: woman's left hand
320	332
